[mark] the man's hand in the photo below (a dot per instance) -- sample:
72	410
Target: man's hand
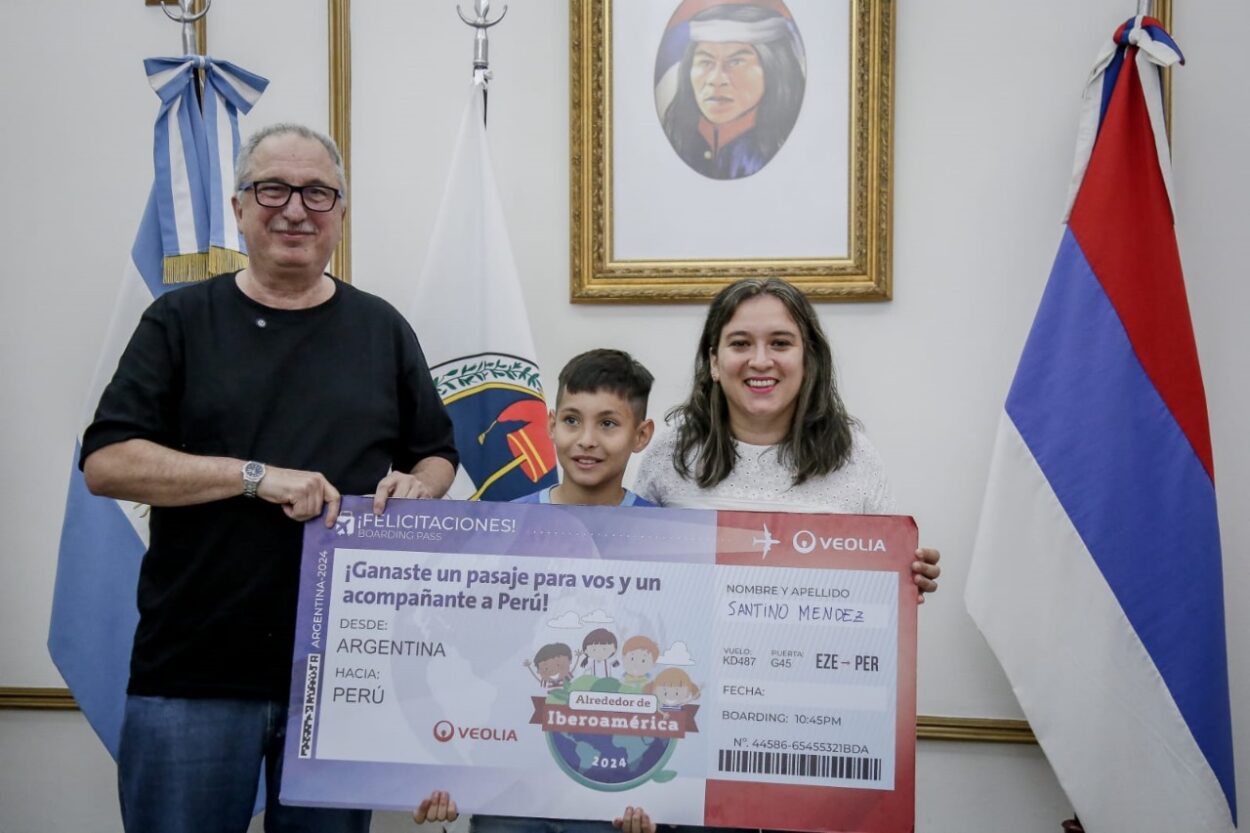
438	807
399	484
301	494
634	820
925	571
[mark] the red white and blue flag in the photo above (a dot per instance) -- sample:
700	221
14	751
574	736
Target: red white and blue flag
1096	575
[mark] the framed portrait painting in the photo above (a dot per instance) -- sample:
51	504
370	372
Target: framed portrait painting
712	140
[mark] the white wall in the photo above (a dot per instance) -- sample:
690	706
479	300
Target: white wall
987	98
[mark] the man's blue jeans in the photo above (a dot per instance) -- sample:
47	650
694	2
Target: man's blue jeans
191	766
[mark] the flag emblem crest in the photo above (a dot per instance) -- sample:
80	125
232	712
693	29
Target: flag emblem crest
496	402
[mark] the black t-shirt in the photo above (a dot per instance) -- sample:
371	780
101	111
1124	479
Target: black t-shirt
341	388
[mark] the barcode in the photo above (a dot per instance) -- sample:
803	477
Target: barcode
804	766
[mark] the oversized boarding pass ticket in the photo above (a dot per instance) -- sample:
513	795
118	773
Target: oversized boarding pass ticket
735	669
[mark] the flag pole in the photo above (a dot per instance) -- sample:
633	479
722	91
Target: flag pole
191	20
187	16
481	352
481	45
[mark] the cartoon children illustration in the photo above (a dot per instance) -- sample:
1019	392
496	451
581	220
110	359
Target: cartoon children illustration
598	650
552	665
674	688
639	656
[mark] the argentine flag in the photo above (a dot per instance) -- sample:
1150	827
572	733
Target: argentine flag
187	233
1096	574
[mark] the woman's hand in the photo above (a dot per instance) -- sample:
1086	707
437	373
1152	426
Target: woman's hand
925	571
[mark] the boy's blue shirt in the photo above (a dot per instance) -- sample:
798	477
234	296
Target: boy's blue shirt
544	496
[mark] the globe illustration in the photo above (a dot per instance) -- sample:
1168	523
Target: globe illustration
608	762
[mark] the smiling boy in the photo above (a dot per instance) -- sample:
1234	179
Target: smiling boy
599	420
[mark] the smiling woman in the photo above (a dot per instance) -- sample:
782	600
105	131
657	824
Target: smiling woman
758	363
764	379
764	427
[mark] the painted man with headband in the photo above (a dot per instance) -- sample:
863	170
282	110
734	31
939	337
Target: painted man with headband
739	88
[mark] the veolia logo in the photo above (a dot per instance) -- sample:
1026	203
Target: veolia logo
444	731
805	541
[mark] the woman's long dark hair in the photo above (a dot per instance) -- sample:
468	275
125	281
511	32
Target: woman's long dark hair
778	110
819	439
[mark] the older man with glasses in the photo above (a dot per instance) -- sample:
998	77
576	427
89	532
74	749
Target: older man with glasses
243	406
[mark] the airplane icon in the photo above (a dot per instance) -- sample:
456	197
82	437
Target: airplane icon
767	541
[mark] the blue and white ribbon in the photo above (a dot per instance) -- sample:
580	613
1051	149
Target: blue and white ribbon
195	145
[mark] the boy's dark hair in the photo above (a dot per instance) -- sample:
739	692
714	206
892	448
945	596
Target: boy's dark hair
611	370
553	650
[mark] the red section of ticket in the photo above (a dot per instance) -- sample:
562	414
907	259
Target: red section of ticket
770	770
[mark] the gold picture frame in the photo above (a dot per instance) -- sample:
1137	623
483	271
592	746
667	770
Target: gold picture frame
598	274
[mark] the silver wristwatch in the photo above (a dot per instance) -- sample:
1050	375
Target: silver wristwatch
253	473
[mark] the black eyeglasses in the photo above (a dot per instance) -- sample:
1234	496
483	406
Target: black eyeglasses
274	194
